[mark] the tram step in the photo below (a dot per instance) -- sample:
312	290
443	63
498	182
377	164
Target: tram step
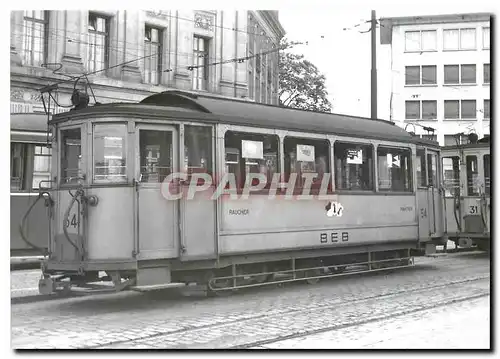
147	288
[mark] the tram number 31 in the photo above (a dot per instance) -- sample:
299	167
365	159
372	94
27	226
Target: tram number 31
334	237
73	223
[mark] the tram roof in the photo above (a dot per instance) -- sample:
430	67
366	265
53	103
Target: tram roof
28	122
246	113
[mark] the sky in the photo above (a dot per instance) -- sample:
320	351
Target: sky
344	56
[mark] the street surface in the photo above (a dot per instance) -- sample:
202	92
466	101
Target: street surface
442	302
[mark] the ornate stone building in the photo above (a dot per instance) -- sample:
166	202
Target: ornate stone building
129	55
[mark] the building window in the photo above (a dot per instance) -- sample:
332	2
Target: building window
459	39
456	109
459	74
263	74
452	109
429	137
413	75
200	61
421	40
35	39
428	109
486	37
451	74
486	74
152	55
353	166
468	109
468	74
394	169
486	108
98	39
412	110
455	140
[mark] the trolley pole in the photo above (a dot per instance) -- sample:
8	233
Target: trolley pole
374	65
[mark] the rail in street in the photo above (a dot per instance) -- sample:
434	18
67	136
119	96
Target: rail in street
254	318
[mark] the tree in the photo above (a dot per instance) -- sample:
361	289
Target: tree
301	85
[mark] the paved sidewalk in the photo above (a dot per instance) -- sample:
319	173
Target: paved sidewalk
464	325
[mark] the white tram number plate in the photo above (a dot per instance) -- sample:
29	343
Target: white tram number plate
335	237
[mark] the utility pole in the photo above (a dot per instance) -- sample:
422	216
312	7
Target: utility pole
374	65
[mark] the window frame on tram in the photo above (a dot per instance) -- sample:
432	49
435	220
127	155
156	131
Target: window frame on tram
409	172
250	133
82	175
305	140
487	170
124	150
356	142
455	171
210	155
28	152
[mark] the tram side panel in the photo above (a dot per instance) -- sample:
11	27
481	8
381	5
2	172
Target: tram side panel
36	226
262	225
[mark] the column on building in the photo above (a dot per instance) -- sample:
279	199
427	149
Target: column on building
71	59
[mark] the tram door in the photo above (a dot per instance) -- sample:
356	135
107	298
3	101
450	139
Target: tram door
434	195
69	237
157	215
197	208
424	225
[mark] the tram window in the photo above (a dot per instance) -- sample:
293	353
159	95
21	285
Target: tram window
421	169
472	176
41	167
17	166
394	169
451	176
197	150
306	156
156	155
110	153
432	169
71	155
487	174
247	153
353	166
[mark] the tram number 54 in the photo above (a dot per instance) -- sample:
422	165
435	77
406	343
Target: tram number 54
73	223
334	237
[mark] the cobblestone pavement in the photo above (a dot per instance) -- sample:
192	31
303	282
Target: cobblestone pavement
254	318
24	282
464	325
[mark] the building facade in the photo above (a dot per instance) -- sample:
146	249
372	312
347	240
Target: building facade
440	70
129	55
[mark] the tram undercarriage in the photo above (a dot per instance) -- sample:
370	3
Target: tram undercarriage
227	279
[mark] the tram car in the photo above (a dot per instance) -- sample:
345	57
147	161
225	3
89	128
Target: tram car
134	198
30	152
467	192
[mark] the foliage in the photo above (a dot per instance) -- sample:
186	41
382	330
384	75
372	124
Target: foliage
301	85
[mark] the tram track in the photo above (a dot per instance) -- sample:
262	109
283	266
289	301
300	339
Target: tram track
336	305
260	344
